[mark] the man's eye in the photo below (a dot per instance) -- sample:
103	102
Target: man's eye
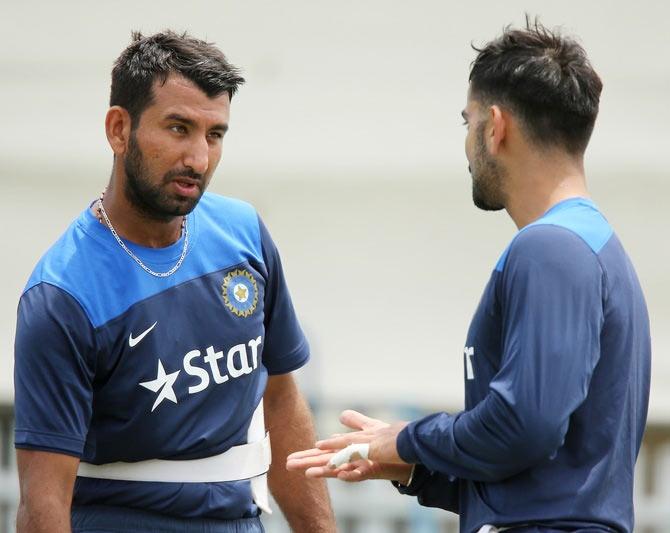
216	135
178	128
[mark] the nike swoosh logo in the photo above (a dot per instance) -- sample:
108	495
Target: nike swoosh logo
132	342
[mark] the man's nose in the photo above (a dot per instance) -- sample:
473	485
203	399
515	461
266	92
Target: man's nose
197	157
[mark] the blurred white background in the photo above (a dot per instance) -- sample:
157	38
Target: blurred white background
347	137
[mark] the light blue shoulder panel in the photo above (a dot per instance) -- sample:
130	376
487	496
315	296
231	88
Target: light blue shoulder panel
579	215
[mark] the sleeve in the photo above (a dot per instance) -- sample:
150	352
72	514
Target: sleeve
286	347
53	372
432	489
551	295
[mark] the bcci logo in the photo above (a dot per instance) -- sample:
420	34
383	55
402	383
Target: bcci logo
240	292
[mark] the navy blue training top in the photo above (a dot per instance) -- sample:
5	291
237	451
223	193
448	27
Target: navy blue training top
114	364
557	370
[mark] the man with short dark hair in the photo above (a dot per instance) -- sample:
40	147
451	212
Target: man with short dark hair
156	338
557	357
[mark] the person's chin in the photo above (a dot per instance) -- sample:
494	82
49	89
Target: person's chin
488	207
184	205
484	204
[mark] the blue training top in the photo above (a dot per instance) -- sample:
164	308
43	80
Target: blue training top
557	370
113	364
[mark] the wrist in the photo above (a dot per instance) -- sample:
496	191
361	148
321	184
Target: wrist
405	475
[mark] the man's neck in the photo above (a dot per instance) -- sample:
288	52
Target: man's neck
540	183
133	225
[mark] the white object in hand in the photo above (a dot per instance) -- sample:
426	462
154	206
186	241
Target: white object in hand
353	452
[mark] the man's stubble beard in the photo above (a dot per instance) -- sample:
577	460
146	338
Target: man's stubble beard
148	198
487	177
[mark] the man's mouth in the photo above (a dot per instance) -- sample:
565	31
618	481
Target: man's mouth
186	186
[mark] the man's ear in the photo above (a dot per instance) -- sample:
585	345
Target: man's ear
497	129
117	127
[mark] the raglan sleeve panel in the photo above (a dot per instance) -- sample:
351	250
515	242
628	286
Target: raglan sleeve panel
54	367
551	294
286	347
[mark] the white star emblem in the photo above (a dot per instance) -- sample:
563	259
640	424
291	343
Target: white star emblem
166	381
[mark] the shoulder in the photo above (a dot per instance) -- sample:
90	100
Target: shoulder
219	210
48	313
230	222
570	234
66	265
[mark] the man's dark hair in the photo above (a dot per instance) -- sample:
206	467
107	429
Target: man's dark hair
155	57
545	79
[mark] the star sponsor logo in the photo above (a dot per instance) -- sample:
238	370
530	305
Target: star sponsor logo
163	385
240	292
206	367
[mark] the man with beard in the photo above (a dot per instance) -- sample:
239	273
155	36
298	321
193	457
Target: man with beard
557	357
155	331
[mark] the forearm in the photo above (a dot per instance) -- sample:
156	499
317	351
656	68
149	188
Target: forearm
489	443
43	516
304	502
46	481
